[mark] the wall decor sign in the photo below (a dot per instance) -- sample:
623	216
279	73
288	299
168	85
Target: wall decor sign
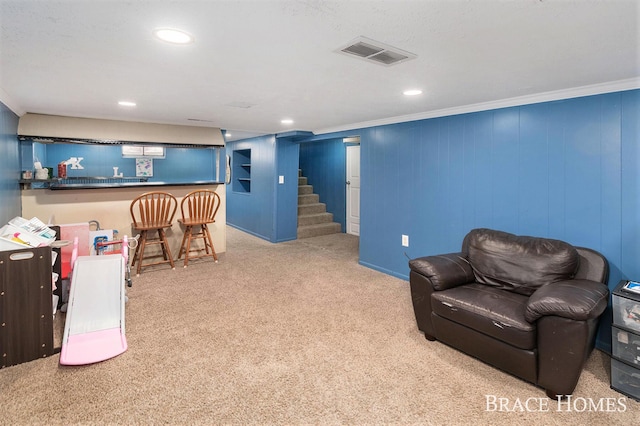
144	167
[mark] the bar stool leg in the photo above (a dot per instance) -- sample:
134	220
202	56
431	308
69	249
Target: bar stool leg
184	240
203	233
207	240
140	253
189	232
165	248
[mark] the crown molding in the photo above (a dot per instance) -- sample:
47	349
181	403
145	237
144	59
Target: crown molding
11	104
576	92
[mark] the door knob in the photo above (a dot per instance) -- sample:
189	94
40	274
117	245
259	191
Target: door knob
348	183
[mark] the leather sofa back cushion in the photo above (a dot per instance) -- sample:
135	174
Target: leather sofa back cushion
518	263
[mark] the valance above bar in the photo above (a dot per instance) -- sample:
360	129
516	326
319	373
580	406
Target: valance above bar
52	128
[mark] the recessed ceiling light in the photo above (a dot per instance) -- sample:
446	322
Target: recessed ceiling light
227	135
171	35
287	121
127	103
412	92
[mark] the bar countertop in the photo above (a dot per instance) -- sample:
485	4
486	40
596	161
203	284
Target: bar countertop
101	183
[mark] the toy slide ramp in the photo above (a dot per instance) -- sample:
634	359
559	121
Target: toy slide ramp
94	328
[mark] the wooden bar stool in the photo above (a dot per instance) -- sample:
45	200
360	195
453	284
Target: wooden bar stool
201	208
153	212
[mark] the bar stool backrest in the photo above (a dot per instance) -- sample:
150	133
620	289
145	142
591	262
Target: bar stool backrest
200	206
153	210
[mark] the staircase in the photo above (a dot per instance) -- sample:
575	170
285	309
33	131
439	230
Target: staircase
313	219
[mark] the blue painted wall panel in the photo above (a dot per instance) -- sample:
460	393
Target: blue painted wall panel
582	173
456	177
504	169
286	212
10	205
556	117
468	173
533	200
483	149
550	169
630	190
254	211
610	182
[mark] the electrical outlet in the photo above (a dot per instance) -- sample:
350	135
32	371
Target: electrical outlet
405	241
281	179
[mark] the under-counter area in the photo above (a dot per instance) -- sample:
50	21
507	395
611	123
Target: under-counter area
110	207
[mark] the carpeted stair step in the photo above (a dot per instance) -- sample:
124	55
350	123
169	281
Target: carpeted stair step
308	199
312	209
305	189
309	231
315	219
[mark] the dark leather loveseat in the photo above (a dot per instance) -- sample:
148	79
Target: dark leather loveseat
529	306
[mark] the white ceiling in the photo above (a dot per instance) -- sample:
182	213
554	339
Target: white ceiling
79	58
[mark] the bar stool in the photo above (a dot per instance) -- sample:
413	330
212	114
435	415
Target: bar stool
153	212
201	208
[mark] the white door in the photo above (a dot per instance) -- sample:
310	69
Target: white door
353	189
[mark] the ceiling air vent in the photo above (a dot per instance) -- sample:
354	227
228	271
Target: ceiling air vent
374	51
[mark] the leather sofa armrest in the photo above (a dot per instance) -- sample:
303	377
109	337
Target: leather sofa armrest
578	300
444	271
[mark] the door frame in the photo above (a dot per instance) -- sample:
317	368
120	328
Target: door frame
355	143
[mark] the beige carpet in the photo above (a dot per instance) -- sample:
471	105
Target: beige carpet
290	333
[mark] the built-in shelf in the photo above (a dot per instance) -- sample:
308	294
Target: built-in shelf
242	170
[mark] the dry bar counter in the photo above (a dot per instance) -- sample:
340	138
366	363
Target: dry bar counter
105	182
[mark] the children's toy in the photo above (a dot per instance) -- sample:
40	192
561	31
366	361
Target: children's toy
132	243
94	328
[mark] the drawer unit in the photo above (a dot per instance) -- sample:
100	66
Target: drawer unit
625	341
626	309
625	346
625	378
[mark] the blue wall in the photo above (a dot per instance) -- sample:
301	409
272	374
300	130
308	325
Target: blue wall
269	210
286	212
253	211
323	162
179	164
564	169
10	204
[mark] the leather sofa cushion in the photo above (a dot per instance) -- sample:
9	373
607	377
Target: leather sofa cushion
489	310
519	263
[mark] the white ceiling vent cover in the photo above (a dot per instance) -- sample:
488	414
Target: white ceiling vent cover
375	51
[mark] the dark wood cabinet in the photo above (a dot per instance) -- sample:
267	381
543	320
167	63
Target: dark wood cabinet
26	311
